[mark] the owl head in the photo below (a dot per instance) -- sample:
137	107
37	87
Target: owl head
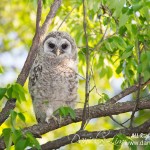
59	44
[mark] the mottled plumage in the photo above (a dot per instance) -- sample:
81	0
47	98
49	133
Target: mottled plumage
53	77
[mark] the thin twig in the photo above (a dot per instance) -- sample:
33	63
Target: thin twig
85	117
100	41
126	121
121	124
65	18
126	92
139	85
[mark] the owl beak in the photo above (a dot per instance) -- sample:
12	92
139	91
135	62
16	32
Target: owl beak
57	52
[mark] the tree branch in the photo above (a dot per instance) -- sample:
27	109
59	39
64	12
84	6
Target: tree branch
5	112
38	38
126	92
72	138
139	82
94	112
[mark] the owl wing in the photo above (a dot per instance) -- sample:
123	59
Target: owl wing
34	76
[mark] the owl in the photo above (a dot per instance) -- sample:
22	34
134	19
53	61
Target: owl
53	78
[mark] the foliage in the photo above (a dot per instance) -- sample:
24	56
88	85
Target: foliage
16	136
13	91
119	139
65	111
119	41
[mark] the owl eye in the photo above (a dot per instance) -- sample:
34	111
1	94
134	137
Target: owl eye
51	45
64	46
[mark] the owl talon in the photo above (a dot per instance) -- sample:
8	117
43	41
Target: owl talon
52	117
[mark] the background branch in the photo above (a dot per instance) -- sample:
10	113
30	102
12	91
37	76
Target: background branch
87	88
126	92
72	138
139	83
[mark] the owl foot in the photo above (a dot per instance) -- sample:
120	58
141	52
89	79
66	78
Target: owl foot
56	120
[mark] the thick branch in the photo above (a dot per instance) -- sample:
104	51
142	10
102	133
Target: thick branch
95	135
94	112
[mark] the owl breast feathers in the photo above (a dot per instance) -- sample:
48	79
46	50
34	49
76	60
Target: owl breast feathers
53	77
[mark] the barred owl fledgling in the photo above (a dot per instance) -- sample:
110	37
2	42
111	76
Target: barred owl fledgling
53	77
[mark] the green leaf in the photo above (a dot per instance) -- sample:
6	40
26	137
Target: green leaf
72	113
64	111
131	144
7	137
17	134
102	72
33	141
120	42
122	30
119	69
20	144
117	141
16	91
1	70
146	75
106	97
109	72
108	46
2	92
125	9
9	92
147	147
22	117
106	20
134	29
137	6
127	53
123	19
19	92
139	69
13	116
